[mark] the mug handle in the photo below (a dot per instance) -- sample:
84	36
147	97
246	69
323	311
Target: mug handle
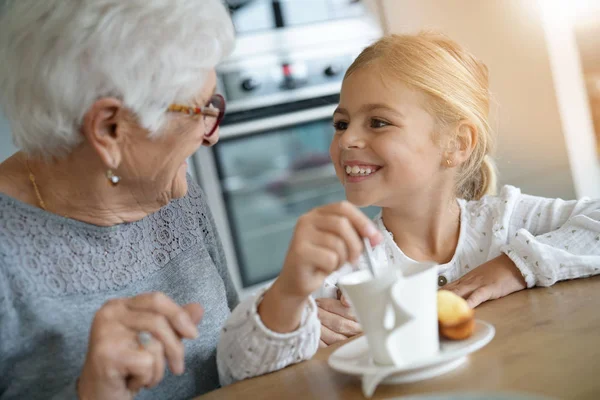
401	318
401	315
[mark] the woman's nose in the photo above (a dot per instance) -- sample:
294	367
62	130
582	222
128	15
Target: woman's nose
212	139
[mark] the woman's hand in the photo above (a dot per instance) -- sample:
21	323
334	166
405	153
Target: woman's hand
494	279
116	365
324	239
337	321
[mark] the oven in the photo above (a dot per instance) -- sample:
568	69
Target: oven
260	178
272	162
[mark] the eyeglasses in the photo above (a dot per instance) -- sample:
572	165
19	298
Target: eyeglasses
212	113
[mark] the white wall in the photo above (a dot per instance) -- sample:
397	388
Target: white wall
569	82
508	35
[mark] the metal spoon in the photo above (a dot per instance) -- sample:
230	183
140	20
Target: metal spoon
369	255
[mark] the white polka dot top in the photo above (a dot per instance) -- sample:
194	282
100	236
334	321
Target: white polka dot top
549	240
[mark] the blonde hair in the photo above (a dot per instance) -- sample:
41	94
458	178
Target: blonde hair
456	86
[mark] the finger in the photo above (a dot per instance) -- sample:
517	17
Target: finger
336	307
329	337
160	303
195	311
155	348
161	330
139	366
479	296
343	229
322	344
135	384
462	288
323	259
334	243
344	301
361	223
338	324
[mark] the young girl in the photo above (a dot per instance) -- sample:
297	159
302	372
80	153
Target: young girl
412	137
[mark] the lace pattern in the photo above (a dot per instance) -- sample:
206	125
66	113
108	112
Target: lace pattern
48	255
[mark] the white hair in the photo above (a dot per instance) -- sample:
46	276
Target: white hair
57	57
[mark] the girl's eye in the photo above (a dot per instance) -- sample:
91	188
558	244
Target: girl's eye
340	125
377	123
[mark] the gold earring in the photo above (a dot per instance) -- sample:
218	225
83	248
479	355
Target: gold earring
449	162
112	178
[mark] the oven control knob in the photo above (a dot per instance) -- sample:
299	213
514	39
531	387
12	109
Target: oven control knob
333	70
250	84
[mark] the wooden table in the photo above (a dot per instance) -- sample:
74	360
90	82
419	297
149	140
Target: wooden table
547	342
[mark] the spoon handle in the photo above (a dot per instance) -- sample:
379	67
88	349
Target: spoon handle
369	255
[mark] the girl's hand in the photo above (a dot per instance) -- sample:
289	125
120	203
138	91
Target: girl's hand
494	279
325	238
337	321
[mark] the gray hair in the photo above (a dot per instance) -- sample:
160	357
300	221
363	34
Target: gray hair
59	56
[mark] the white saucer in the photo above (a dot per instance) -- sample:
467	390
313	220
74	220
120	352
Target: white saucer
353	358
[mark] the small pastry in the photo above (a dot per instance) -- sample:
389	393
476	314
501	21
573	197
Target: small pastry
455	317
459	332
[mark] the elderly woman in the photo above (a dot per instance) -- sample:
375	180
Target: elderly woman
110	266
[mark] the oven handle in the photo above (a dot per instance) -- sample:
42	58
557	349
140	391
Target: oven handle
279	121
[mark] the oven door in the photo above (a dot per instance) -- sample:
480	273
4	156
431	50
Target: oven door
262	175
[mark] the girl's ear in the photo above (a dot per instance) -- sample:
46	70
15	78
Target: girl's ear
462	144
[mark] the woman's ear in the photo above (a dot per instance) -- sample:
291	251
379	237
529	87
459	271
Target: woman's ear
103	127
462	144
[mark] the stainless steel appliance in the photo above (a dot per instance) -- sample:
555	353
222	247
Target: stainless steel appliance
272	162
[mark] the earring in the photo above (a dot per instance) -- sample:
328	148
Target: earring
449	162
113	179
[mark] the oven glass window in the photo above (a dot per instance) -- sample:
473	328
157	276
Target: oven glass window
269	180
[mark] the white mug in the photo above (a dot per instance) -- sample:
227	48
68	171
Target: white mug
397	310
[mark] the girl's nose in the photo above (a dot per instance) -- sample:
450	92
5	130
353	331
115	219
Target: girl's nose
352	139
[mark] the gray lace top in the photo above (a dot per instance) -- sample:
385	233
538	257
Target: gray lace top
55	273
